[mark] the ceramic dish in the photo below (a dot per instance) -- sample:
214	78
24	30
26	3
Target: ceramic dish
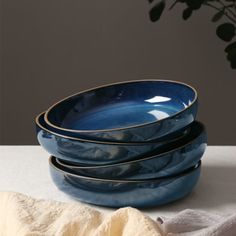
120	193
88	152
134	111
182	155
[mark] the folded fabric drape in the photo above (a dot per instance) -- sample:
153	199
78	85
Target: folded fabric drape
199	223
21	215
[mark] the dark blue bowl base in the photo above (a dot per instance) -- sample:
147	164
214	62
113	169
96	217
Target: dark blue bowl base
141	195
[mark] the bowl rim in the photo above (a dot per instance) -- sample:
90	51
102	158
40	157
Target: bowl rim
159	155
120	128
172	176
152	142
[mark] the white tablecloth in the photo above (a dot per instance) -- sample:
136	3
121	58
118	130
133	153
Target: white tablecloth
25	169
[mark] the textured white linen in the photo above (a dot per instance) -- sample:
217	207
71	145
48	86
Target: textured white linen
24	169
22	215
199	223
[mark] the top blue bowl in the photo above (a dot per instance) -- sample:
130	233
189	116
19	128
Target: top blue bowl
134	111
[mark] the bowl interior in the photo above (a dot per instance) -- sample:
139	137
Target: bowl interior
121	105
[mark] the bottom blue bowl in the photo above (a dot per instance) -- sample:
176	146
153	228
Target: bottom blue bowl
120	193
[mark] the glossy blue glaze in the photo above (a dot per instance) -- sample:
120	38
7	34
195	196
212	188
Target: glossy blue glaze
121	193
87	152
130	111
181	156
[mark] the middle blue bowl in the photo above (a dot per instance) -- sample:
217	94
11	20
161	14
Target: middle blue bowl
90	152
173	159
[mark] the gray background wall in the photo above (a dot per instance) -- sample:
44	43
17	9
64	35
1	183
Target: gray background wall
53	48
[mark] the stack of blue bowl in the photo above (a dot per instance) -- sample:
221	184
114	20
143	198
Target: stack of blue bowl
134	143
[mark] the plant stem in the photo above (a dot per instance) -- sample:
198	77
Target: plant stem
234	5
173	4
230	11
219	9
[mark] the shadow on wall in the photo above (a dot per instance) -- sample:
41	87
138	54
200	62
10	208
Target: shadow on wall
55	48
224	10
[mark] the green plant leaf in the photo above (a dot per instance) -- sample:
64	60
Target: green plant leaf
231	47
194	4
156	12
232	58
230	5
187	13
226	31
231	54
217	16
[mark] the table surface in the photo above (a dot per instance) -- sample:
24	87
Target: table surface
24	169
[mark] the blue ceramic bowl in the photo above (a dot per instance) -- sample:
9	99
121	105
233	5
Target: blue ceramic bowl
181	156
133	111
120	193
89	152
